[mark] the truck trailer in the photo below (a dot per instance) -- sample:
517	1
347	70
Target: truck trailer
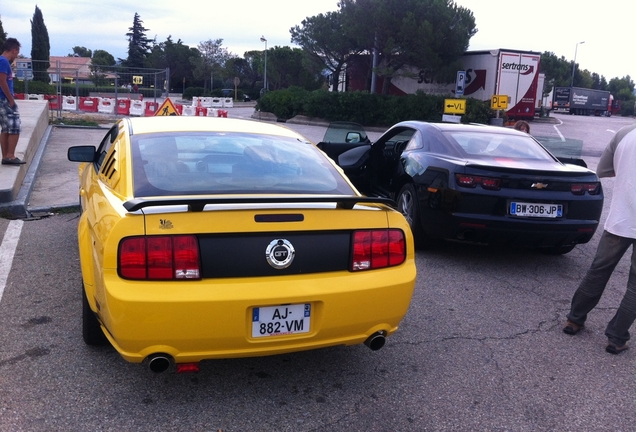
495	72
582	101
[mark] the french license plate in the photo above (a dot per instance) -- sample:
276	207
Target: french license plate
536	210
281	320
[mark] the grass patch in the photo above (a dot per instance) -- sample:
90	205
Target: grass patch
74	122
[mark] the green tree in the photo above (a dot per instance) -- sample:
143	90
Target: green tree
622	88
103	58
212	60
138	44
325	39
80	51
3	36
40	47
425	34
289	67
177	57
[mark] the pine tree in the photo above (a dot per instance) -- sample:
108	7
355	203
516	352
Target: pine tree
40	47
138	44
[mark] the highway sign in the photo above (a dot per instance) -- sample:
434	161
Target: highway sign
454	106
499	102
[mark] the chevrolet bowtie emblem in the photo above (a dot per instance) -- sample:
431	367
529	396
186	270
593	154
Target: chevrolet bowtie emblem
539	185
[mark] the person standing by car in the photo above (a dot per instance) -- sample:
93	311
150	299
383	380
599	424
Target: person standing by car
9	116
618	160
522	126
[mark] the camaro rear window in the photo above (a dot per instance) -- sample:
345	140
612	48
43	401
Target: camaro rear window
229	163
498	145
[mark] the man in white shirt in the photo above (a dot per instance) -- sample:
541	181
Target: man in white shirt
618	160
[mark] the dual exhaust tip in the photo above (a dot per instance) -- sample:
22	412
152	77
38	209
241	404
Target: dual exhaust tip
159	363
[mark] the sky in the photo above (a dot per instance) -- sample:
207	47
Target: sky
557	26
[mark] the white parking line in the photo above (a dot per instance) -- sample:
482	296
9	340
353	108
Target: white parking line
556	128
7	251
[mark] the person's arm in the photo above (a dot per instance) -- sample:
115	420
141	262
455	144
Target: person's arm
4	86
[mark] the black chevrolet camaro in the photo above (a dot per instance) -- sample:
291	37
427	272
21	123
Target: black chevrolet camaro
475	183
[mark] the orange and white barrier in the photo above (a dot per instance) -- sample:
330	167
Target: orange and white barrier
151	108
106	106
136	108
88	104
123	107
69	103
189	110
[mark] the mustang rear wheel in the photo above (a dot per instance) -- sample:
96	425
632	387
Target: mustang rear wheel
91	330
408	205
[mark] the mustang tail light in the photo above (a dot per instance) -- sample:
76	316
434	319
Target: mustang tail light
159	258
471	181
581	188
374	249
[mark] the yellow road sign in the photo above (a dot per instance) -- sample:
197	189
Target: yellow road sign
454	106
167	109
137	79
498	102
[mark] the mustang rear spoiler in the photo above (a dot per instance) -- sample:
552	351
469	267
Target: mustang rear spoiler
197	204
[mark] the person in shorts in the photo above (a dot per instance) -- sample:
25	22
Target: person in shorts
9	115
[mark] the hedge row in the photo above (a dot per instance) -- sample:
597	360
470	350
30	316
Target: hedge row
365	108
83	90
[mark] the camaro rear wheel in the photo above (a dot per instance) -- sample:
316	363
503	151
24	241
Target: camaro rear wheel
408	205
91	330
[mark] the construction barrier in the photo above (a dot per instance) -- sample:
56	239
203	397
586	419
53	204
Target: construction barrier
216	103
212	112
35	97
123	107
201	111
151	108
69	103
88	104
223	113
54	101
19	96
106	106
228	102
189	110
136	107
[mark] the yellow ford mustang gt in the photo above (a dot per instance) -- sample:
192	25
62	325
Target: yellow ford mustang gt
204	238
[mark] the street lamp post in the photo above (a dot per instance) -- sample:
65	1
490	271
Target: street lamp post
574	64
265	74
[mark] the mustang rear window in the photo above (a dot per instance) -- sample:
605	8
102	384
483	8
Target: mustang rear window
230	163
498	145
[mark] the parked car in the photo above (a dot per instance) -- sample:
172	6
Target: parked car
475	183
204	238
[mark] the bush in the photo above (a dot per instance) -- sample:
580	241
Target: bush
191	92
364	108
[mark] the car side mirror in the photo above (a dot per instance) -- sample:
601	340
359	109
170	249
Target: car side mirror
353	137
83	153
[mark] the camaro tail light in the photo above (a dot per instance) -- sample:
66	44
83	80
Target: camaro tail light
581	188
374	249
471	181
159	258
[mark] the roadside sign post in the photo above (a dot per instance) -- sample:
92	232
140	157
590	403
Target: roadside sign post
454	106
461	83
499	102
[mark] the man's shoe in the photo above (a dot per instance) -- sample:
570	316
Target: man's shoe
572	328
616	349
12	161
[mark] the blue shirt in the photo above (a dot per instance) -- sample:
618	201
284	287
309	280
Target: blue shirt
5	67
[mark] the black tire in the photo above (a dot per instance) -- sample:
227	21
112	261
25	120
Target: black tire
91	330
408	205
557	250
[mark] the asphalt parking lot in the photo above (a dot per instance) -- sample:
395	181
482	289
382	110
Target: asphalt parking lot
481	347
